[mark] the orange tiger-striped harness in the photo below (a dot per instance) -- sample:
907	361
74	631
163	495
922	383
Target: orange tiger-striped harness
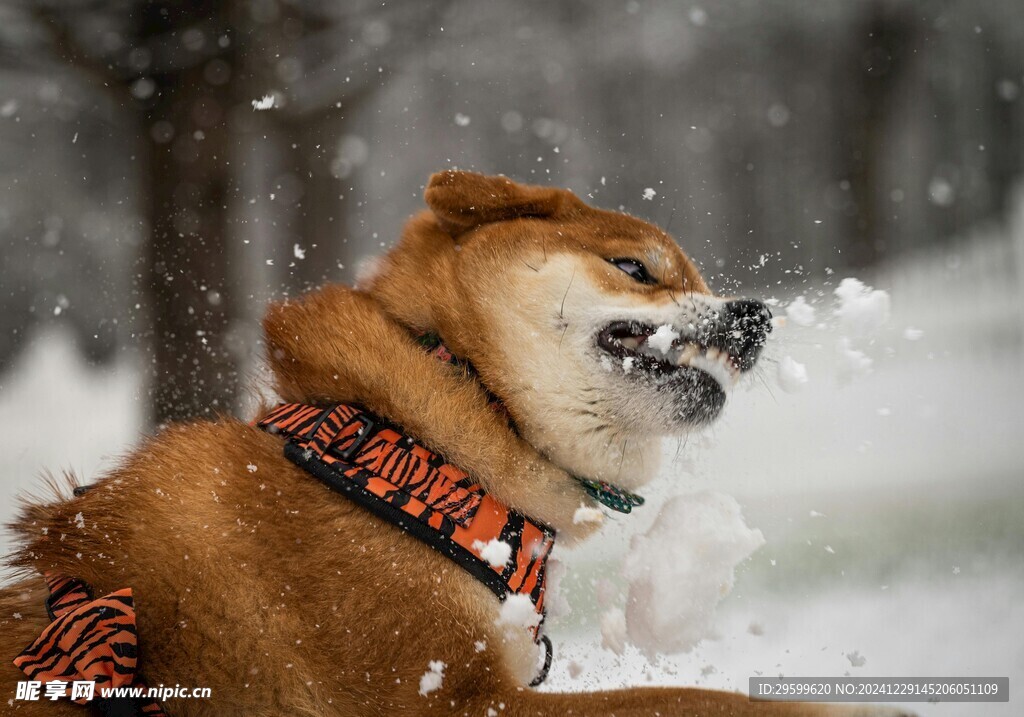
370	461
89	641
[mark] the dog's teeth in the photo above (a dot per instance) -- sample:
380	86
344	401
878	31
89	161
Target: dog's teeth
687	355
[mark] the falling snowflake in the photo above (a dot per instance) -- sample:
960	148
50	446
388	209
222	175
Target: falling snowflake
264	103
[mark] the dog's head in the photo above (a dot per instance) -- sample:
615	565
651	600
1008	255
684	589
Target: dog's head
593	327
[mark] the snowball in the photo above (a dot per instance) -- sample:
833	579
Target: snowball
585	514
251	467
662	339
627	363
792	375
912	334
462	120
494	551
800	312
861	308
681	568
432	678
264	103
650	194
613	630
517	611
298	252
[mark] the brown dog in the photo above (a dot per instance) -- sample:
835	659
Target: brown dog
285	598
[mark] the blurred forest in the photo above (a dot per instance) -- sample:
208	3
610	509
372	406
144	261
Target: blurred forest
151	206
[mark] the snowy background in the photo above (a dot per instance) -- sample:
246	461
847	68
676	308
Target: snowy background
165	173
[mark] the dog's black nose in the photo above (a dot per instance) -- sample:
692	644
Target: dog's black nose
745	327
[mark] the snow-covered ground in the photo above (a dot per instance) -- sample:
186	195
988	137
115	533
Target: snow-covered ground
891	503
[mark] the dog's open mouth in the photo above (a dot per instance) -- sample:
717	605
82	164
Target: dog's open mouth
649	349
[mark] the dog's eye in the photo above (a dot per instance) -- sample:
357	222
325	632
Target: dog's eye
635	269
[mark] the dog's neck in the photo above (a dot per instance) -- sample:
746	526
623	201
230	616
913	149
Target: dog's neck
601	485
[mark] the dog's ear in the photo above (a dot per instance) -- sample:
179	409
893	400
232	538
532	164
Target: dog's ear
464	200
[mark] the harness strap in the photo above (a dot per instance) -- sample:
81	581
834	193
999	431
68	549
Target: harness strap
93	640
365	458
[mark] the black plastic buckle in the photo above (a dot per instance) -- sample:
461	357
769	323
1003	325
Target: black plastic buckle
365	433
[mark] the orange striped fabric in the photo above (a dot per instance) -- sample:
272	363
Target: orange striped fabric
88	640
361	455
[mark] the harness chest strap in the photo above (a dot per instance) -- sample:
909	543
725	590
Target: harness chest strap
89	640
371	462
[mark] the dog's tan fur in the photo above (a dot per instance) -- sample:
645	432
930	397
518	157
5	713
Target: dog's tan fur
287	599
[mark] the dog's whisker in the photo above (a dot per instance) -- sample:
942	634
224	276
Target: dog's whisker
561	309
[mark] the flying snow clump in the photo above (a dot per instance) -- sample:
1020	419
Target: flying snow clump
661	340
800	312
792	375
861	308
263	103
433	678
517	611
681	568
852	362
613	630
495	552
650	194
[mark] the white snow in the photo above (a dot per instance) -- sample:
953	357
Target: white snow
555	601
649	193
852	362
662	339
613	630
79	521
586	514
264	103
298	252
251	467
432	678
494	551
861	308
792	375
627	363
462	120
681	568
800	312
517	611
912	334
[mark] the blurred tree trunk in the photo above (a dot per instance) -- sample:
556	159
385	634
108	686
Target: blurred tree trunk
189	288
886	40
